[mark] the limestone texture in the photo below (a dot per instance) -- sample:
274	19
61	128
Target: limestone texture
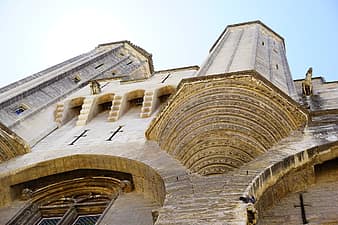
233	141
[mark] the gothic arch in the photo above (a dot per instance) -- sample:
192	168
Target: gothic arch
133	99
168	89
218	123
103	103
146	181
107	97
165	92
75	102
139	93
293	174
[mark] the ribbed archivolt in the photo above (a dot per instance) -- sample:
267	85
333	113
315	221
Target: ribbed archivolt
11	145
57	192
216	124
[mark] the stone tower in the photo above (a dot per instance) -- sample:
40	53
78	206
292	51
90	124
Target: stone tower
244	76
250	46
103	139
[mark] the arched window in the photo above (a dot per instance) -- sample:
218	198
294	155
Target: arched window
78	197
134	101
75	106
164	93
72	109
104	103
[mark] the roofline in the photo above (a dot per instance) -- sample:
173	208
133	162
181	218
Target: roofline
194	67
253	73
245	23
318	78
37	74
137	48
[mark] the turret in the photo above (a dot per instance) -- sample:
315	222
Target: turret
250	46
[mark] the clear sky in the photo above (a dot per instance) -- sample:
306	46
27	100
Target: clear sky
36	34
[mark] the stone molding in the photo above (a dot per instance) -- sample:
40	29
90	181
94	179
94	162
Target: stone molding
137	48
214	124
11	145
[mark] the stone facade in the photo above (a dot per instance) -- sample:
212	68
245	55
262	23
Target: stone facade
231	142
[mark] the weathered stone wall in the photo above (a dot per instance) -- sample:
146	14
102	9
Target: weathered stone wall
250	46
292	174
127	151
40	92
280	202
11	145
94	137
325	95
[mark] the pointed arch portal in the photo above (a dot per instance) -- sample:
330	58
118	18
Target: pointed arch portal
71	189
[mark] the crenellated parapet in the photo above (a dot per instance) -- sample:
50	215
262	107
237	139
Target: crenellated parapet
118	97
214	124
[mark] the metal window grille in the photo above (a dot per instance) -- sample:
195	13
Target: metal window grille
49	221
86	220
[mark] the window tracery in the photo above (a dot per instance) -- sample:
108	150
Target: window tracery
73	201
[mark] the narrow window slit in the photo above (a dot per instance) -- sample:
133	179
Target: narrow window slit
136	102
98	66
164	98
20	109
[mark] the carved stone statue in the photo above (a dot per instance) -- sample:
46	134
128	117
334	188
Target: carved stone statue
307	83
95	87
26	194
126	186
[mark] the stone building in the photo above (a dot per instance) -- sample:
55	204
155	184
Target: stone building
103	138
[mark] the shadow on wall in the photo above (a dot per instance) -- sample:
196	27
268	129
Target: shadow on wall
294	174
133	102
72	109
104	103
164	93
145	179
69	170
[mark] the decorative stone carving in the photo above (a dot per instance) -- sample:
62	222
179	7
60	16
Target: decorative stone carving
11	145
26	194
126	186
77	78
26	215
307	83
217	123
88	195
95	87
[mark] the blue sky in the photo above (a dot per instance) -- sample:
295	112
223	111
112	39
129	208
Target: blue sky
36	34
